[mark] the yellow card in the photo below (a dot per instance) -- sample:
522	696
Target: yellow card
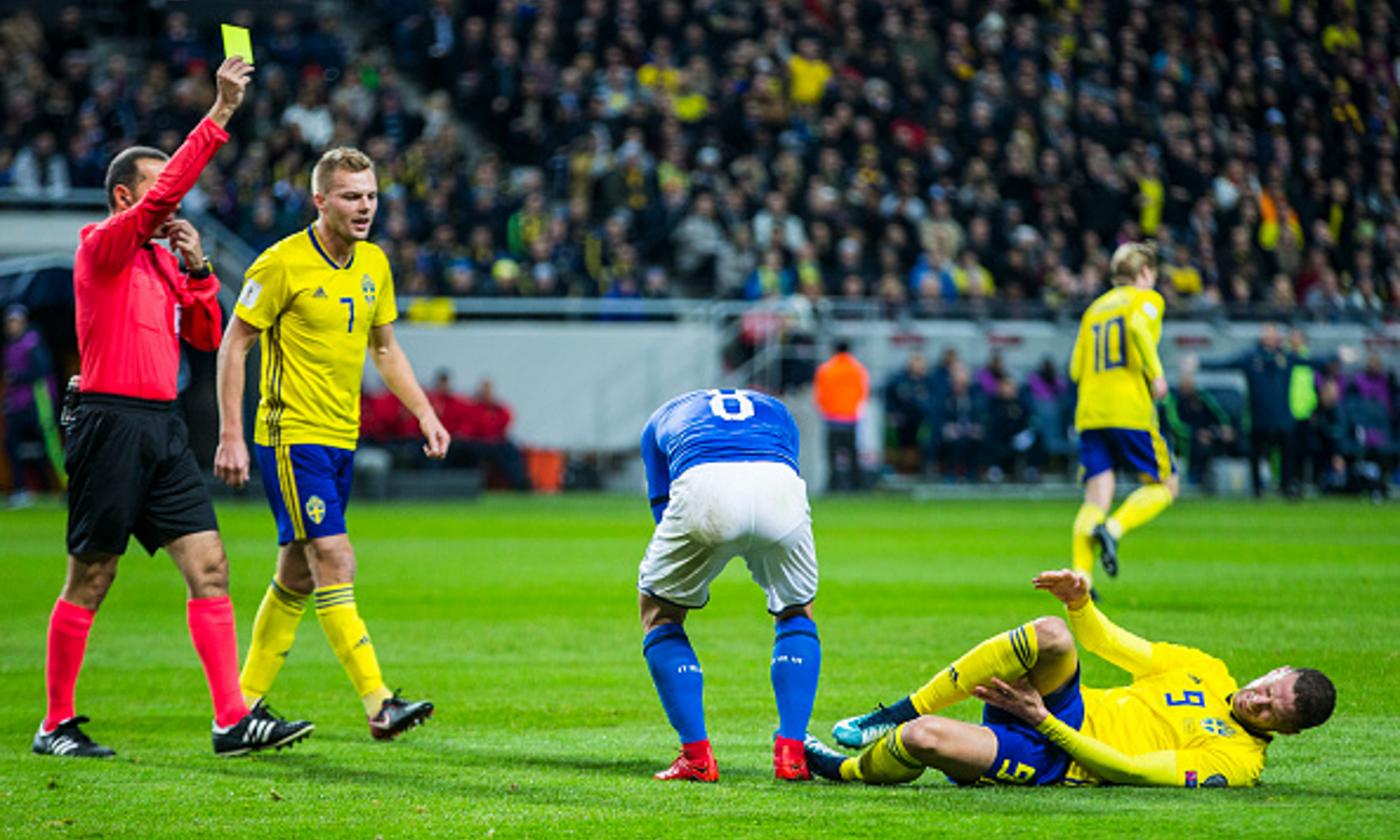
237	42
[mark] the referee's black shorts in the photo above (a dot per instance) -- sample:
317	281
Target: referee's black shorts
131	471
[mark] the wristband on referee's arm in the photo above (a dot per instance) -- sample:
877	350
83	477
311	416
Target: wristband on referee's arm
201	271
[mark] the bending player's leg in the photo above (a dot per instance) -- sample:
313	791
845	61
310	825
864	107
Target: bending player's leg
1042	649
275	627
201	559
675	671
797	663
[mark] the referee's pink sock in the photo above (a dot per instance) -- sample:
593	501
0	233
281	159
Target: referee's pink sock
211	630
68	634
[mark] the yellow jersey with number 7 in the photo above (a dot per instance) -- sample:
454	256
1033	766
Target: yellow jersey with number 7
315	317
1115	360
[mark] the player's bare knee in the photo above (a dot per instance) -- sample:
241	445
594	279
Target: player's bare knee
1053	636
924	735
332	561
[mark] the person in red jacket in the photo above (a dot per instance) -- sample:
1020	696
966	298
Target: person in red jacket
484	422
127	453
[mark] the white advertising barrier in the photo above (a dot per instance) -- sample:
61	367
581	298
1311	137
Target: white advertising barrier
569	385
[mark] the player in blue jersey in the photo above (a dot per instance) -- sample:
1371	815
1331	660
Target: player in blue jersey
723	481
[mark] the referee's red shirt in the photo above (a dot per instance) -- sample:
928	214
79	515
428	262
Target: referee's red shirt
133	302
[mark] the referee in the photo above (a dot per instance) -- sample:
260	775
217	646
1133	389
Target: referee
127	454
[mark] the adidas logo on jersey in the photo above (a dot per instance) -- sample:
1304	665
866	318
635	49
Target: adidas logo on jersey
320	292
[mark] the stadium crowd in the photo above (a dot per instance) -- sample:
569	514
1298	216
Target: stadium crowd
1314	420
908	152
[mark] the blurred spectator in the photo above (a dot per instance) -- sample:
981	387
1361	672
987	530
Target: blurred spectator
909	397
840	389
40	168
31	432
1050	399
1331	440
962	429
1267	369
485	442
1201	430
1012	449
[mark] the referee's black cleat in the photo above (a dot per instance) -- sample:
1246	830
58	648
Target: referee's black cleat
397	716
69	741
260	729
1108	549
823	760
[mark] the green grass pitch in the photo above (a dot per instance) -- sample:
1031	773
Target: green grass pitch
518	617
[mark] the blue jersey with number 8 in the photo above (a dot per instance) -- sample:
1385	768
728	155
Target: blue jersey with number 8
711	426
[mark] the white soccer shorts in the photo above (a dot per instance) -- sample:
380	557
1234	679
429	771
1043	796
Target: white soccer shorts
719	511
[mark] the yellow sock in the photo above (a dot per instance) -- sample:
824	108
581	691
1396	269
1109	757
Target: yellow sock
1081	537
274	630
1007	655
1140	508
885	762
345	630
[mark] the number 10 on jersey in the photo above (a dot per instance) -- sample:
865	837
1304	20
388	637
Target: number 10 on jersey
1110	344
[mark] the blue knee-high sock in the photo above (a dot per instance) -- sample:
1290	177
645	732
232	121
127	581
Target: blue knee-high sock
679	683
797	661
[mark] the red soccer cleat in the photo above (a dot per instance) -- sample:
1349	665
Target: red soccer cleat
789	760
693	765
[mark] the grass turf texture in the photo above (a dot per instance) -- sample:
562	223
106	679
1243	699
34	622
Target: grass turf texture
517	616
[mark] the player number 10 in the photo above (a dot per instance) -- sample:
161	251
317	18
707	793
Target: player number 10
1106	342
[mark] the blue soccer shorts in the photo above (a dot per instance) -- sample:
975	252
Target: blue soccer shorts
1141	451
1025	756
308	488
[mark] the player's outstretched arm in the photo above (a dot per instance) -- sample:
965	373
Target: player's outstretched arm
231	458
397	373
1091	627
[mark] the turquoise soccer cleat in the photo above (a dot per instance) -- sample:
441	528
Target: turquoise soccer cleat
863	730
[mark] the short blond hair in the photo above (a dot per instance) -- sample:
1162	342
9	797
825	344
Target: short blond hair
1129	261
341	158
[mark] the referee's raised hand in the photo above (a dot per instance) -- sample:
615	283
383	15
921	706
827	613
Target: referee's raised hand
232	81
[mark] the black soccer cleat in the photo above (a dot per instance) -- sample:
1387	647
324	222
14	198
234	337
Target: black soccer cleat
69	741
397	716
823	760
1108	550
260	729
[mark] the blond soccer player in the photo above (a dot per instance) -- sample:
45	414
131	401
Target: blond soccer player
1120	377
317	301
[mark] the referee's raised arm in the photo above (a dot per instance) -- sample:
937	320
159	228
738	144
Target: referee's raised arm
139	215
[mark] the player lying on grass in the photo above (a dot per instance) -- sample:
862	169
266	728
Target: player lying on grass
1182	722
